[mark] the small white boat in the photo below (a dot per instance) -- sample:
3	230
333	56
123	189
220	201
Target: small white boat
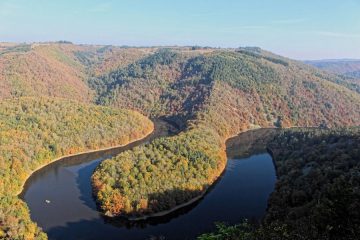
47	201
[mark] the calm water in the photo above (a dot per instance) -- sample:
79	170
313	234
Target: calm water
241	192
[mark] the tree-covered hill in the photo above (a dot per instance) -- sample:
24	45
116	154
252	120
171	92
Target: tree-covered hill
316	195
349	67
58	69
33	132
211	93
158	81
261	88
215	95
42	70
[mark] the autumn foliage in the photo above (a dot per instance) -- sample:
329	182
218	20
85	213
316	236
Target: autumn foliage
33	132
211	94
215	95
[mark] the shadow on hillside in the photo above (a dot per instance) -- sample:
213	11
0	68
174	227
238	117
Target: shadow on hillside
162	128
178	197
250	142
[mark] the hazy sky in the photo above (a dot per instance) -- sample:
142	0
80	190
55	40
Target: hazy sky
301	29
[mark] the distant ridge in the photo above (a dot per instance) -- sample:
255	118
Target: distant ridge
348	67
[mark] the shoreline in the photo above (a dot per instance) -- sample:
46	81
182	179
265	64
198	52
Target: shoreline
166	212
22	187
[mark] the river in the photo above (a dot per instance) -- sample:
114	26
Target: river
71	213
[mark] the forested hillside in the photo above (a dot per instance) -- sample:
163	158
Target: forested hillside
348	70
58	69
33	132
215	94
43	70
210	93
160	175
256	86
157	81
316	195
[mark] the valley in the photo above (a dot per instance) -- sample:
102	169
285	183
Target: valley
60	99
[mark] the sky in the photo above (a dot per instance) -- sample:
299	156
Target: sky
299	29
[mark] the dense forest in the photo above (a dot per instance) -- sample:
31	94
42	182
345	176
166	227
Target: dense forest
212	94
318	183
33	132
58	69
160	175
251	88
317	192
42	70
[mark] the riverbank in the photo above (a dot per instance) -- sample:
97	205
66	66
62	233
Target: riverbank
147	134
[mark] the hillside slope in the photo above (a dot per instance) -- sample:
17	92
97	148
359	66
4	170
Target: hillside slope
58	69
43	70
346	66
33	132
211	93
215	95
316	195
253	87
317	189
